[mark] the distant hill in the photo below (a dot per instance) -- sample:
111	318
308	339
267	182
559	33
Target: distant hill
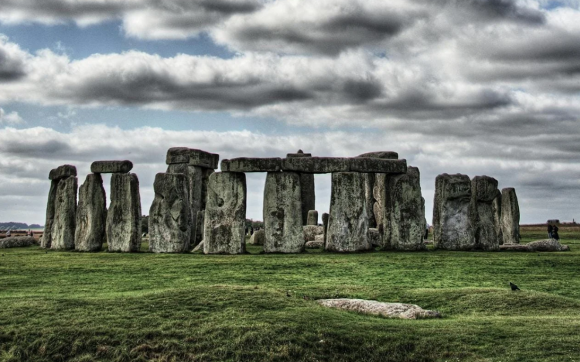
18	226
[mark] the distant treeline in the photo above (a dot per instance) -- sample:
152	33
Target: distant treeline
18	226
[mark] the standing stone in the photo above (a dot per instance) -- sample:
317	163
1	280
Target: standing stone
308	194
169	216
483	192
194	177
65	208
496	208
91	215
258	238
283	213
199	227
47	234
452	228
510	216
225	214
404	217
312	217
325	225
348	221
124	215
374	188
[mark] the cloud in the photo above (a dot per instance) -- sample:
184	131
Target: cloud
11	118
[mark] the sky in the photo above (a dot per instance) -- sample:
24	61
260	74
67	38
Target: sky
479	87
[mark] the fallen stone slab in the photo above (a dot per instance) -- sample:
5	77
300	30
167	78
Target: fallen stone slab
389	310
17	242
538	245
247	164
61	172
111	166
193	157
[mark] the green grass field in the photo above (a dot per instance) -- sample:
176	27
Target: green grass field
69	306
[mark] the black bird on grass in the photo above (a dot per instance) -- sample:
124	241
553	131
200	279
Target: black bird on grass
514	287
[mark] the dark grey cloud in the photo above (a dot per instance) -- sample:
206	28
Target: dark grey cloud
11	65
504	9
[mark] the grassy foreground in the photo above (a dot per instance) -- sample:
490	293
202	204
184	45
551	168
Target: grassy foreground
69	306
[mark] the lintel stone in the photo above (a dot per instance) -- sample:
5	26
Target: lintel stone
61	172
246	164
193	157
111	166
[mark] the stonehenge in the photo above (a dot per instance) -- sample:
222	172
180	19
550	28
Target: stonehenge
376	202
510	216
225	214
283	213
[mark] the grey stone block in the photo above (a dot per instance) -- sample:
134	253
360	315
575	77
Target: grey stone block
193	157
91	215
387	155
510	216
225	214
61	172
246	164
124	215
47	235
312	217
111	166
65	207
483	220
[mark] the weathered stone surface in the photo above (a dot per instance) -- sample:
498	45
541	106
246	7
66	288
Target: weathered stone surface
170	214
258	237
307	195
111	166
246	164
193	157
124	215
496	209
386	155
315	244
312	217
348	221
204	180
375	238
379	199
91	216
299	154
510	216
65	207
377	165
225	214
199	229
325	217
390	310
538	245
483	192
47	234
17	242
283	213
369	182
311	231
195	179
198	247
342	164
452	228
404	213
61	172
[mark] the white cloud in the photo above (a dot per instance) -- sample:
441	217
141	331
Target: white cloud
11	118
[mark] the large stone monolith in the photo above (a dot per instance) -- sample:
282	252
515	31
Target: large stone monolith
375	187
496	208
510	216
47	234
194	176
91	216
283	213
452	228
404	213
325	218
169	215
225	214
483	220
348	221
65	208
308	194
124	215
